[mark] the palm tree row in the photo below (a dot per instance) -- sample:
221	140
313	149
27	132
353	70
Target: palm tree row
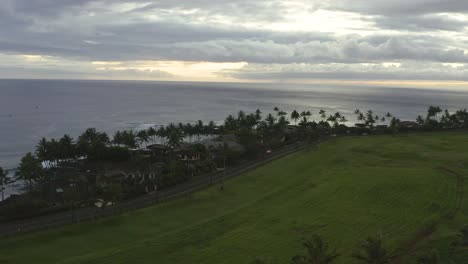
370	119
134	139
436	118
88	143
54	151
93	145
371	251
4	181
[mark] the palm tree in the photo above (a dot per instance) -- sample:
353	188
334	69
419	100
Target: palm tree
420	120
117	138
431	258
230	123
240	116
304	122
143	137
318	252
151	133
281	116
307	114
461	118
189	131
464	236
103	138
305	118
323	114
282	122
258	115
376	119
43	150
343	119
91	142
161	133
130	138
174	136
270	120
338	118
432	112
54	153
394	123
370	118
333	119
30	170
199	129
211	128
261	261
282	113
373	252
250	121
445	119
67	147
361	117
4	180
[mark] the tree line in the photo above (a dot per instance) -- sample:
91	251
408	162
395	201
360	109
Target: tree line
252	130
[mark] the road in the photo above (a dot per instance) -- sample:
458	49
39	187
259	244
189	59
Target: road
91	213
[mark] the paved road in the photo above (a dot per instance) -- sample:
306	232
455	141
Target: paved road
91	213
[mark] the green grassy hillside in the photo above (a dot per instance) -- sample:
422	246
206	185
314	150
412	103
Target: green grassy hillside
344	190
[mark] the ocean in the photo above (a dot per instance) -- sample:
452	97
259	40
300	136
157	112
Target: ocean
31	109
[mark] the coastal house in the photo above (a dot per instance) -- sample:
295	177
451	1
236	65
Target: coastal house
381	127
188	154
218	143
138	176
408	124
158	148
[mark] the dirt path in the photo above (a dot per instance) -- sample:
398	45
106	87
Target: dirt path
460	190
408	246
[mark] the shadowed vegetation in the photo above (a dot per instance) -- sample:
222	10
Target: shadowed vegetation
344	191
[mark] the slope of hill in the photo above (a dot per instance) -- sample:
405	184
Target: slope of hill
406	188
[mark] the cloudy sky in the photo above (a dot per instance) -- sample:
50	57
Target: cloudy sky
413	41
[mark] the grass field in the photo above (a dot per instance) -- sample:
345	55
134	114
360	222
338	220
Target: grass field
344	190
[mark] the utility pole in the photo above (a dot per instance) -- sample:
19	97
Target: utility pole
171	165
224	163
156	193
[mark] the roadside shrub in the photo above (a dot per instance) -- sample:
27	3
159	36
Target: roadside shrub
116	154
22	206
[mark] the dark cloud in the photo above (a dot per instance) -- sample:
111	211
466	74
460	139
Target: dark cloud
170	41
414	15
338	75
265	11
41	7
39	73
235	31
400	7
432	73
420	23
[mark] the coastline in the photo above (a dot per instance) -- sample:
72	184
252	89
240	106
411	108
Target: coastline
55	107
12	188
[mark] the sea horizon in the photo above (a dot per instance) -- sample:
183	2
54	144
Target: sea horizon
34	108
